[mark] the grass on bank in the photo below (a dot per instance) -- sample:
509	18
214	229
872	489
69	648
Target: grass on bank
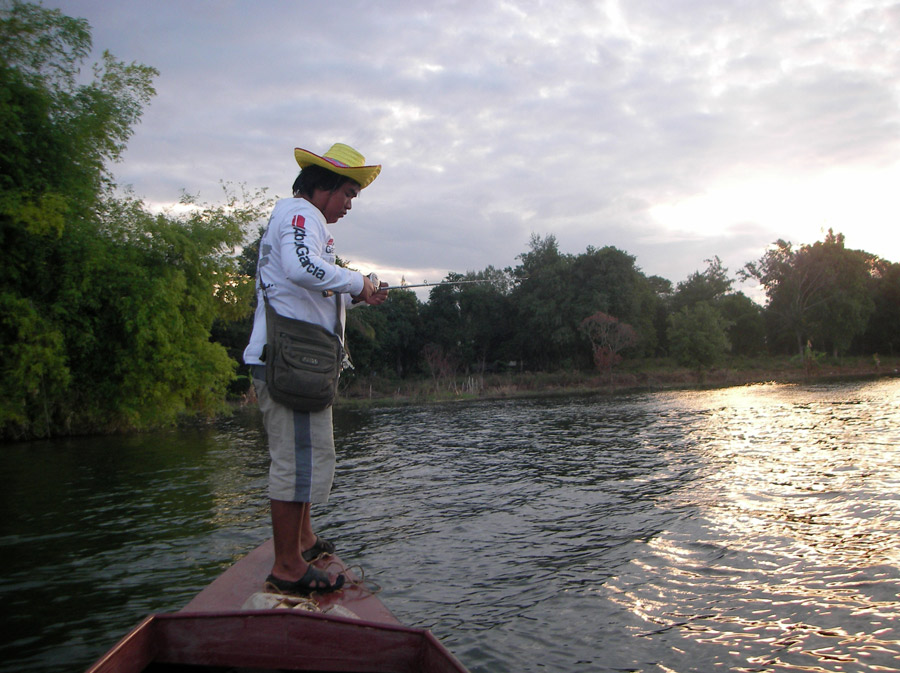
648	374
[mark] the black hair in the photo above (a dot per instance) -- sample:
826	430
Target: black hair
315	177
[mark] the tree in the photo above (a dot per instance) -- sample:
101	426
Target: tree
607	280
107	308
470	322
486	313
556	290
794	286
440	364
608	338
698	335
745	324
662	292
136	300
234	332
746	330
709	286
442	322
882	334
401	342
393	343
817	293
544	335
846	306
58	135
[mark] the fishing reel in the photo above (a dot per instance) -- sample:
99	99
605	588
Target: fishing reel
372	277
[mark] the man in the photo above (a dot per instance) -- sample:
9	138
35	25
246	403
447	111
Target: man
296	267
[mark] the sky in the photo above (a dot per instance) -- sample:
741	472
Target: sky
673	130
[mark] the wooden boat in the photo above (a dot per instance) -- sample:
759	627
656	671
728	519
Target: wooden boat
353	632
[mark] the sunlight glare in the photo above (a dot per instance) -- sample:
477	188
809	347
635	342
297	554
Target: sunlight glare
861	204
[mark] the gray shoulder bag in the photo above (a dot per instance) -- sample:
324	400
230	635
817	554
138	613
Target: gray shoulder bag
303	360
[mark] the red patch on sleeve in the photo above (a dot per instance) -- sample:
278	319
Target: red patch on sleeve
299	222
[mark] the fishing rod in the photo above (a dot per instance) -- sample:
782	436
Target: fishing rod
446	282
375	281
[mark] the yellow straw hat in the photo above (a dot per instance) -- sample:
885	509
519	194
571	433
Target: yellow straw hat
343	160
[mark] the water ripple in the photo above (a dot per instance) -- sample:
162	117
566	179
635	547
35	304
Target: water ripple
748	529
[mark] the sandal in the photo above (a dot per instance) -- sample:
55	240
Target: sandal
322	547
313	581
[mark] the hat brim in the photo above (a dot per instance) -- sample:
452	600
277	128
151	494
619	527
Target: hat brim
363	175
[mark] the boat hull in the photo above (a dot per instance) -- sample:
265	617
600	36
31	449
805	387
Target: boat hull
214	630
277	640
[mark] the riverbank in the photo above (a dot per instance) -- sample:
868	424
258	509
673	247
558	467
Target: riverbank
627	378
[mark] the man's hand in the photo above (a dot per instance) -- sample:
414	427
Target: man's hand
370	294
379	296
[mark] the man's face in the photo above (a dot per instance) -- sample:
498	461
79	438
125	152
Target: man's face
334	205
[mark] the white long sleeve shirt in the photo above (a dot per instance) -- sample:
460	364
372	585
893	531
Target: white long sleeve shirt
296	264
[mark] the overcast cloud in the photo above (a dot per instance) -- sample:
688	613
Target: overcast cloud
675	130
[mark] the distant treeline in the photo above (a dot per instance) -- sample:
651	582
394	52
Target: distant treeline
115	318
558	311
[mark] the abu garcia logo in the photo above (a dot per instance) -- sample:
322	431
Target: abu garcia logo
299	225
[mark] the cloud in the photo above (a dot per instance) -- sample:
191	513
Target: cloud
674	130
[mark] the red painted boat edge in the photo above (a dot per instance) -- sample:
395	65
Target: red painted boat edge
131	654
278	639
213	630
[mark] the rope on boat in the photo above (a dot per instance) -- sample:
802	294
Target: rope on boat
360	581
272	598
355	576
280	600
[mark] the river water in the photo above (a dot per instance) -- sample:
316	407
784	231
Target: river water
746	529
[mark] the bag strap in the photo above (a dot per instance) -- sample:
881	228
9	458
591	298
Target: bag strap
338	325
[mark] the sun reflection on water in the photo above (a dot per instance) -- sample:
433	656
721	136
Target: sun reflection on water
790	559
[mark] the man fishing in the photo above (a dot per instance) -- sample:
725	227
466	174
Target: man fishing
296	270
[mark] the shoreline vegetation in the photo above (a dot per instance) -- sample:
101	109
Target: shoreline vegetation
143	321
638	376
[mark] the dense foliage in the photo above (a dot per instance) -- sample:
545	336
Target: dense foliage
113	317
106	308
554	311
